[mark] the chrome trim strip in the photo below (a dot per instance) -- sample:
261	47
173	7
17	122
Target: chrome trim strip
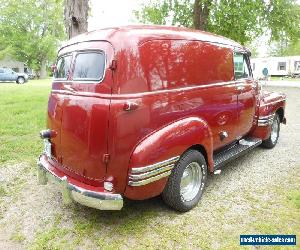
155	166
271	116
98	200
149	180
265	120
136	177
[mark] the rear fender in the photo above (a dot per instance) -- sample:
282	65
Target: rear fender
154	157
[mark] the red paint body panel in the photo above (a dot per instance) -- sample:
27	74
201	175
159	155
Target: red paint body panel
168	89
164	144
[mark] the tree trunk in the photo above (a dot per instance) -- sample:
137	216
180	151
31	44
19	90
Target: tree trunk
43	70
201	14
76	17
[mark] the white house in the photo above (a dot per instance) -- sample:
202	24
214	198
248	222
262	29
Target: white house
16	66
277	66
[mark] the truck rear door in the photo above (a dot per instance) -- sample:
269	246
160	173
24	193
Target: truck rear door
79	108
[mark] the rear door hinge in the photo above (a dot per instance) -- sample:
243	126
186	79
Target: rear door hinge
106	158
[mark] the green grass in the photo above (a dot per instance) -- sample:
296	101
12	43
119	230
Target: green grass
277	78
23	110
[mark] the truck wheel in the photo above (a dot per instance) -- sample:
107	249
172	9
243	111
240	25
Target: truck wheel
186	183
274	135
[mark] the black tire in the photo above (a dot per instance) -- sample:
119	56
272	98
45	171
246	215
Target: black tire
272	140
20	80
172	192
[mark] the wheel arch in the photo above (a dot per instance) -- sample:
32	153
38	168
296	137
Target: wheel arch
167	143
280	112
200	148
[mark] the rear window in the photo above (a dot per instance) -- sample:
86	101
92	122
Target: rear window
89	66
63	67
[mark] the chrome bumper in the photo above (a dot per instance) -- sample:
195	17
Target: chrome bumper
70	191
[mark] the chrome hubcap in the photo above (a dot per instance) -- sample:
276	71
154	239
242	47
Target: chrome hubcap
190	181
274	131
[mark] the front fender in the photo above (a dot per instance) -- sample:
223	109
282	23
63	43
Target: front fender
162	149
270	103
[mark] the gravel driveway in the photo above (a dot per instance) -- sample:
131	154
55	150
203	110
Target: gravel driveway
256	193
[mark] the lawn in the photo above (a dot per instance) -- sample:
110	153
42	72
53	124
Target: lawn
23	110
277	78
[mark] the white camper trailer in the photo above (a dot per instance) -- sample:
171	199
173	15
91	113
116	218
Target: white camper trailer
277	66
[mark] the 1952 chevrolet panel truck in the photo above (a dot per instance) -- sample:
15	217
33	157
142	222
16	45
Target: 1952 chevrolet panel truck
140	111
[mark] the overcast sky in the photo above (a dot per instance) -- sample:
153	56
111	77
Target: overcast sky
112	13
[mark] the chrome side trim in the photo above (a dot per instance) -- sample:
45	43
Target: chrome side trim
145	175
149	180
154	166
135	177
265	120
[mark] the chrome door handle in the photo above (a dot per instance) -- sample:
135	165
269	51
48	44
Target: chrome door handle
128	106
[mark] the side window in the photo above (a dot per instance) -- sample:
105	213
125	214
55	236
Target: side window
63	67
89	66
241	68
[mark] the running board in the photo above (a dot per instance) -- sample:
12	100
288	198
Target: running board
240	148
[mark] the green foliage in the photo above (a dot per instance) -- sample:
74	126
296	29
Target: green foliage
293	49
237	19
284	47
175	12
31	30
23	114
240	20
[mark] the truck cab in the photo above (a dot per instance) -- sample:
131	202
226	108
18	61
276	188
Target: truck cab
139	111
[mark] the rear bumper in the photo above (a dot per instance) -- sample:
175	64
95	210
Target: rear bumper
73	190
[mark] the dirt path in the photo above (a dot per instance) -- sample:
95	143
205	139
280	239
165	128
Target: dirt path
256	193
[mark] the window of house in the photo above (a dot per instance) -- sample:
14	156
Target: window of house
89	66
281	66
297	65
241	68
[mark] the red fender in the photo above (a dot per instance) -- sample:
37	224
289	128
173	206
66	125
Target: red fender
165	144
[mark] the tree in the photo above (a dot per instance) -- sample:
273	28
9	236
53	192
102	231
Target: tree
241	20
284	48
30	32
201	14
76	17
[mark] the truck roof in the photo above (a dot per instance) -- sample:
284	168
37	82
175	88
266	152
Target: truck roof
123	36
